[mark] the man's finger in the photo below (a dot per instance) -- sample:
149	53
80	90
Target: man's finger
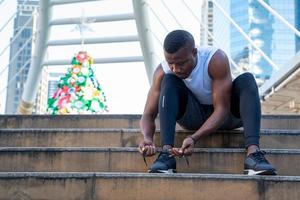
187	151
150	150
184	146
176	152
141	149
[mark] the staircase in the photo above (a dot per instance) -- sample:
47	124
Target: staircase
95	157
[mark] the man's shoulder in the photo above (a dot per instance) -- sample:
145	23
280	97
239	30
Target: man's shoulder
158	71
219	64
204	50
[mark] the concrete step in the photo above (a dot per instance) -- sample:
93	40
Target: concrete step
136	186
99	137
69	121
118	121
204	160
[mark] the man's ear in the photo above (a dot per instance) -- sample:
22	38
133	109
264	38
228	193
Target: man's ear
194	51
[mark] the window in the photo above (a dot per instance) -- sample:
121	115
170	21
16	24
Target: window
26	33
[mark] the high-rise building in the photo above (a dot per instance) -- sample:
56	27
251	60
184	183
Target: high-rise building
206	23
20	53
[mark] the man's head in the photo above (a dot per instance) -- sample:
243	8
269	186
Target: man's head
180	52
178	39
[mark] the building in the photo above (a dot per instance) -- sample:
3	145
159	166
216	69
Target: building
206	23
20	54
261	33
41	101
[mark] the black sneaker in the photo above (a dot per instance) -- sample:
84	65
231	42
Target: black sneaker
163	164
257	164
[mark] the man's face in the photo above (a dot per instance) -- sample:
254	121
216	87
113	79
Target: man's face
182	62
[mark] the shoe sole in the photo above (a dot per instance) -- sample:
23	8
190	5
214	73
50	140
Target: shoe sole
169	171
252	172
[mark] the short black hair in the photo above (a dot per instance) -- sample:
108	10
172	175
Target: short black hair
177	39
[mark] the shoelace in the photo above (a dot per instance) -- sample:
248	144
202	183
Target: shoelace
168	154
144	157
259	156
183	156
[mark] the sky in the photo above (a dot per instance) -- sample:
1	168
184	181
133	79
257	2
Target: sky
125	84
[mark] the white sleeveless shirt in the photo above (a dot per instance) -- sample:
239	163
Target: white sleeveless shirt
199	81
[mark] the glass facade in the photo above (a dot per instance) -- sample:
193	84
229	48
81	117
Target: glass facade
261	33
239	13
283	41
297	21
268	33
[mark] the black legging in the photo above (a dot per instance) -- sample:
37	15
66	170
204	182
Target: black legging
177	102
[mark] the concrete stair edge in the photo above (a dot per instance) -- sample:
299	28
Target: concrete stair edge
135	131
143	175
134	149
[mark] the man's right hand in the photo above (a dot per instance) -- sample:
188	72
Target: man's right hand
147	148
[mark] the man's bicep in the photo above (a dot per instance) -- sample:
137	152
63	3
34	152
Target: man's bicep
221	79
221	92
151	107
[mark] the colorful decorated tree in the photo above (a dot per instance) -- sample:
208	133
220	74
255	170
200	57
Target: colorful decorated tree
78	90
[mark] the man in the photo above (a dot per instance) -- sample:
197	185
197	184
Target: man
194	88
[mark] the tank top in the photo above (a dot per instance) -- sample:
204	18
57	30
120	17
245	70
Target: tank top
199	81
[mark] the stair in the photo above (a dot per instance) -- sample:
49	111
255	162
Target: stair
96	157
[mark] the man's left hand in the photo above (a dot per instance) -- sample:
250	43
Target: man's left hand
186	149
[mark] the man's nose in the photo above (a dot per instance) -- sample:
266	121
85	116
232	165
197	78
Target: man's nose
176	68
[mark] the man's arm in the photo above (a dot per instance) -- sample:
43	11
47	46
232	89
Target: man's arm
147	122
219	71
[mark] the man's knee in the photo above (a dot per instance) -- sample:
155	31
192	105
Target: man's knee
245	81
245	77
171	80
